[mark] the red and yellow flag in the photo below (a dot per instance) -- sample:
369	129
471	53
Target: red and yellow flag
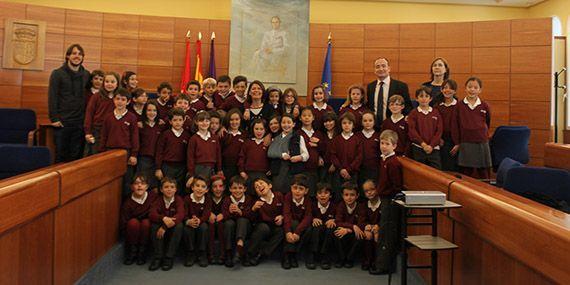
186	72
199	74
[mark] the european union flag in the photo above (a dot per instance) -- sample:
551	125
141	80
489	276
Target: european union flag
326	81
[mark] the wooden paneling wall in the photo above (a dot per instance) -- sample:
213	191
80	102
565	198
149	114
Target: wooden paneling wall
512	57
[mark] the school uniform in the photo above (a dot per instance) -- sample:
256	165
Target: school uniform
90	93
450	135
219	99
258	113
400	126
474	152
196	106
253	161
297	217
135	222
196	239
345	153
321	236
216	229
173	208
204	155
282	171
171	156
164	108
324	174
318	113
275	109
371	216
347	246
231	144
149	134
426	126
206	100
357	111
95	113
265	228
371	154
236	226
188	120
315	153
232	102
136	112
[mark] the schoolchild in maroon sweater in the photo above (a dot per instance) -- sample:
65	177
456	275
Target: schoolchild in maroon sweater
330	131
95	84
164	100
267	211
215	221
97	110
204	154
398	123
183	102
167	216
171	150
319	106
346	153
238	99
297	217
426	127
232	142
322	227
236	211
313	140
450	136
252	161
149	132
371	148
195	233
208	90
135	222
369	221
223	91
348	235
137	104
355	104
120	131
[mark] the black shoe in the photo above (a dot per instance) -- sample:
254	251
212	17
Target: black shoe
219	260
155	264
348	264
237	258
293	260
141	255
285	262
130	255
339	263
203	259
229	262
375	271
254	260
167	264
365	266
190	259
310	261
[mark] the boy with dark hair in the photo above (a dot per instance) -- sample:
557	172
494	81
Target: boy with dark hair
236	211
426	128
164	100
223	90
239	98
297	217
348	235
322	227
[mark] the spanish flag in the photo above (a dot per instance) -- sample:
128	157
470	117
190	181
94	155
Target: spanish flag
186	72
199	75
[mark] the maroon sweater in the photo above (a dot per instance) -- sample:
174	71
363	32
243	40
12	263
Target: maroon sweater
318	114
291	212
253	157
131	109
88	95
97	110
164	109
202	211
122	133
216	208
401	128
203	152
267	213
205	101
232	102
134	210
357	115
148	139
158	210
346	220
371	150
346	154
195	107
369	217
425	128
391	177
244	206
450	124
326	144
314	151
329	213
231	147
474	124
171	148
219	100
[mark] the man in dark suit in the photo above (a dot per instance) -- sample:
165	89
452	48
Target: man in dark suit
381	89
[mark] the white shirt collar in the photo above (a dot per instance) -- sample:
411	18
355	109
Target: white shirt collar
121	115
285	134
346	137
355	107
330	135
394	119
386	81
472	107
453	103
268	201
373	207
298	203
138	111
241	99
234	133
140	200
368	134
322	208
217	200
94	90
177	133
350	210
384	157
257	141
201	201
168	202
234	201
324	107
425	112
309	133
204	137
151	123
194	101
160	102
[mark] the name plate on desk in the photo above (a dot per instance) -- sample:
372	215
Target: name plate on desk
424	197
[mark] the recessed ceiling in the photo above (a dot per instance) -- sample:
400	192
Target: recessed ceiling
507	3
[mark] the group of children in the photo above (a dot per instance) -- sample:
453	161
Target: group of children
262	140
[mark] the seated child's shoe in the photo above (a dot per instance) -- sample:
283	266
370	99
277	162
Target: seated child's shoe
237	258
255	259
141	255
155	264
229	262
310	261
190	259
325	262
167	264
348	264
220	260
375	271
130	255
203	260
293	260
285	262
365	266
339	263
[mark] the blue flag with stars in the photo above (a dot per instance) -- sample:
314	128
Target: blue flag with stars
326	81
